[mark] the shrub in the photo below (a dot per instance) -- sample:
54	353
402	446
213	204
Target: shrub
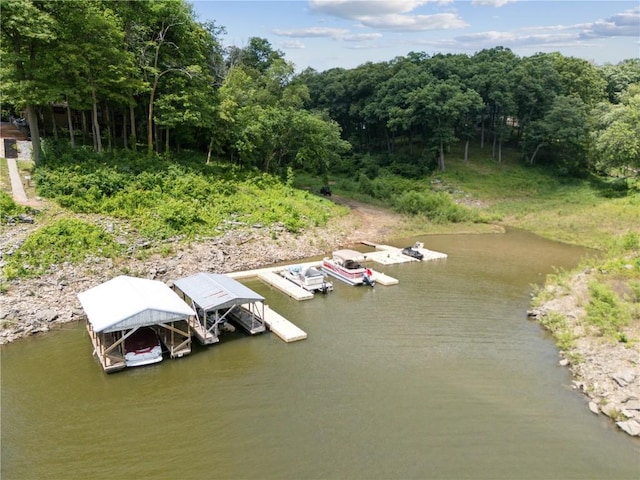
9	208
165	197
438	207
66	240
605	310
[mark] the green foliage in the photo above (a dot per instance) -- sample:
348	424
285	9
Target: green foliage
9	208
557	324
631	241
436	206
411	197
605	310
164	198
66	240
616	133
634	285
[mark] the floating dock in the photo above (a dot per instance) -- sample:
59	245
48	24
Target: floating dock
383	254
282	327
383	279
270	276
387	255
285	286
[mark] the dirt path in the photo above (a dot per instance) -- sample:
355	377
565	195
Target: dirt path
368	222
23	145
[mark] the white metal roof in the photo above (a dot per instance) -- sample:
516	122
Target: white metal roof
128	302
213	291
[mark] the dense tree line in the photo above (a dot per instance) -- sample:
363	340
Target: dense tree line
131	74
559	110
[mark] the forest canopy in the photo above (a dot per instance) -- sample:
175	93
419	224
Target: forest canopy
148	76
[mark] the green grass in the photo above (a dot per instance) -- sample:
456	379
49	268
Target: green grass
557	324
606	311
583	211
5	183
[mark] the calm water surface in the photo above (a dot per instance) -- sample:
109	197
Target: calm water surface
441	376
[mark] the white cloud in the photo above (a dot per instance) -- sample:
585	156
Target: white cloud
293	45
354	9
389	14
625	24
414	23
333	33
493	3
318	32
512	39
359	37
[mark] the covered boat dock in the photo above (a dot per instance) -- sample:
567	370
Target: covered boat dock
119	307
217	299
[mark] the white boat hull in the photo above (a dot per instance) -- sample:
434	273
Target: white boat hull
352	277
142	348
133	359
311	279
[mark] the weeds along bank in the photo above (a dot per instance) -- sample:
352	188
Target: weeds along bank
594	315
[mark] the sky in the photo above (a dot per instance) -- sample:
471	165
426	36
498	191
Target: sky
324	34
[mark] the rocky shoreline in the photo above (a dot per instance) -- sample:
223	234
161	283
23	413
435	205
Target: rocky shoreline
608	374
31	306
606	371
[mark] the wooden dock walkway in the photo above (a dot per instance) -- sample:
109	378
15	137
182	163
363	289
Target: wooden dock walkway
202	334
282	327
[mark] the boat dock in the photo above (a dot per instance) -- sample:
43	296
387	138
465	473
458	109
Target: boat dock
270	276
383	279
383	254
387	255
285	286
282	327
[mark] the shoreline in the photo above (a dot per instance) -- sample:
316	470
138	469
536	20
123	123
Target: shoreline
608	375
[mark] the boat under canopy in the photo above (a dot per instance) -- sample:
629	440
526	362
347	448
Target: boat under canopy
116	309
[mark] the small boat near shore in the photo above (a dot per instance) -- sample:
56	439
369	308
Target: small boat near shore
414	251
346	265
309	278
142	347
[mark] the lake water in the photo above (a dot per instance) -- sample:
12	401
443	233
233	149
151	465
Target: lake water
442	376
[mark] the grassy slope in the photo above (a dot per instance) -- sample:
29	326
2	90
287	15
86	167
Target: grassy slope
577	211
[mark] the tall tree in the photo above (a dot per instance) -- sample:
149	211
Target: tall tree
616	136
562	135
172	48
28	31
491	76
536	83
620	76
391	103
580	78
442	105
98	67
